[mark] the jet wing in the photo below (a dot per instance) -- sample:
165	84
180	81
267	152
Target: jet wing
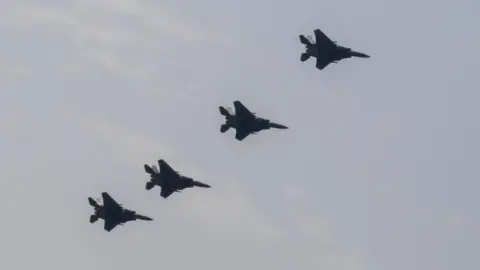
165	168
109	203
241	111
322	62
240	134
109	225
166	191
322	40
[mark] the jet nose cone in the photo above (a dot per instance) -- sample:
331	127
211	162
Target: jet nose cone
141	217
200	184
275	125
359	54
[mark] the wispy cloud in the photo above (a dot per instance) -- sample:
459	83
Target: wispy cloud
228	207
127	145
13	71
99	21
152	16
341	262
111	62
295	193
116	35
306	222
311	225
456	221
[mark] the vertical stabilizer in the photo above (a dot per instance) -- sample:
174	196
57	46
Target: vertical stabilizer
224	111
149	170
305	40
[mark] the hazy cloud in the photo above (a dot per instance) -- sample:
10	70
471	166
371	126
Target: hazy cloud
377	171
17	72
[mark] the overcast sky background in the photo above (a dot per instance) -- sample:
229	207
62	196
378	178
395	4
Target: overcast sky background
379	169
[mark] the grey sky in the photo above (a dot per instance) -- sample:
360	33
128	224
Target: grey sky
378	170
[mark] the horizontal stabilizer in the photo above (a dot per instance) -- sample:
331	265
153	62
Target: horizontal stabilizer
224	128
149	185
93	218
304	57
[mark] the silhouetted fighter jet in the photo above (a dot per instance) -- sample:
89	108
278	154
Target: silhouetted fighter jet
325	50
169	180
245	122
112	212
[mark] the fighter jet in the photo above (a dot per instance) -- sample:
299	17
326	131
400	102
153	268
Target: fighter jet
169	180
325	50
245	122
112	212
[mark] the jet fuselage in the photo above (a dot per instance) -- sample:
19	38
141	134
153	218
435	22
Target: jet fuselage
122	216
254	126
245	122
337	53
176	182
